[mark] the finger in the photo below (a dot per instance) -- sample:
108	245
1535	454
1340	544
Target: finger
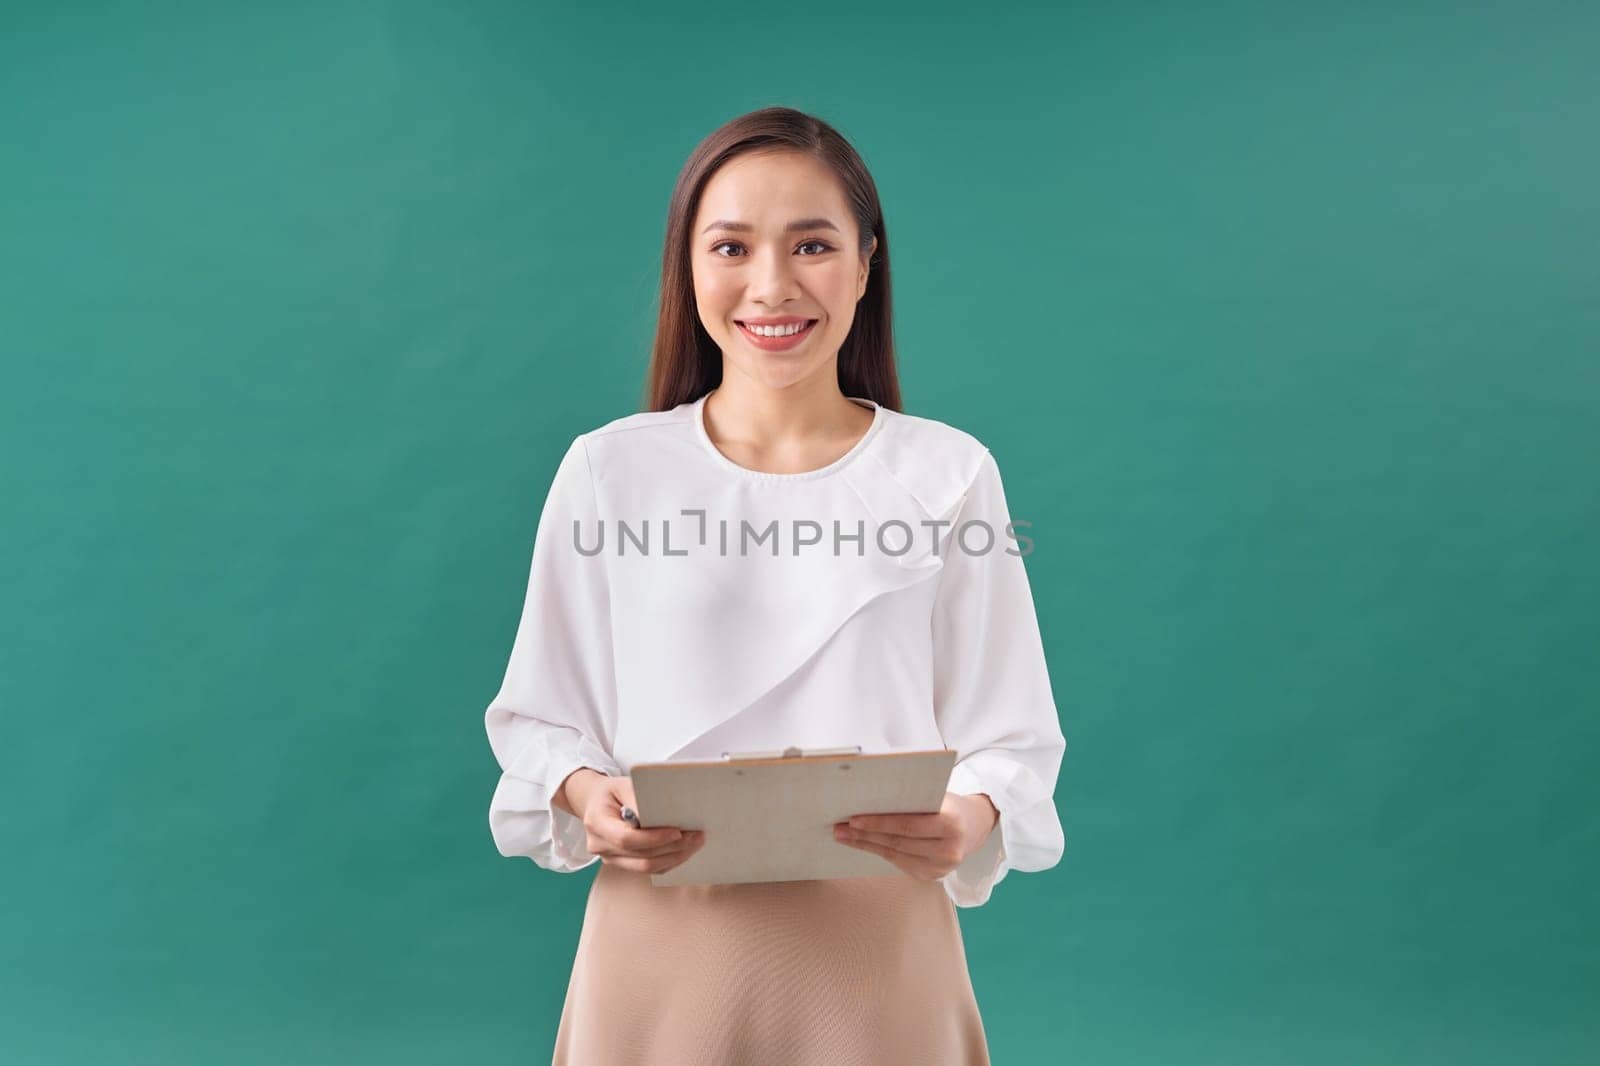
926	847
906	825
663	863
673	864
619	794
692	841
620	838
663	849
914	865
652	863
638	839
876	849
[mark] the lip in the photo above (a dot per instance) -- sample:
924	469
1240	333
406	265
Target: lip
776	320
776	344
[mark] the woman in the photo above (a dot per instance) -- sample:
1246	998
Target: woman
884	603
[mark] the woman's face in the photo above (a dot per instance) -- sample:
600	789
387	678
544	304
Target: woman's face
766	270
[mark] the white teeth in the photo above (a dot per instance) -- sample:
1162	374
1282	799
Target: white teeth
777	331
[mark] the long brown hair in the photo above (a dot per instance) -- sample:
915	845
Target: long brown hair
685	363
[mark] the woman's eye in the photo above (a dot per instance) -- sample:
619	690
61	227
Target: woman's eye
716	248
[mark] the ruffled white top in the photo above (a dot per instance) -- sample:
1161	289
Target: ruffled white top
734	610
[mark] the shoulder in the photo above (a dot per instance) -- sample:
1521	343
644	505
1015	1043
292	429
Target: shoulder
939	441
640	430
633	446
933	460
641	422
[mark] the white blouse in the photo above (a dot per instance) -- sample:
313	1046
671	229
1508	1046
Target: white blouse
733	610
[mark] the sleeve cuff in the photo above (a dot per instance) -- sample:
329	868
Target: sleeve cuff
971	883
521	816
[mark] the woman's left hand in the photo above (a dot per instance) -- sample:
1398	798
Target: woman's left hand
926	846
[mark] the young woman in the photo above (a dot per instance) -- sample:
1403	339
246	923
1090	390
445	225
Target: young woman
816	568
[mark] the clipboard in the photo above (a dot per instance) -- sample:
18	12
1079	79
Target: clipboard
769	815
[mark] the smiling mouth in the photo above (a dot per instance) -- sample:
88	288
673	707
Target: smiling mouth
780	334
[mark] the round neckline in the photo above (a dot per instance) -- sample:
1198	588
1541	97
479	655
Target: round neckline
699	419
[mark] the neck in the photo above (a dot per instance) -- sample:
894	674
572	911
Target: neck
764	418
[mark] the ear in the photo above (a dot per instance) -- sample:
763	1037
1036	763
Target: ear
861	282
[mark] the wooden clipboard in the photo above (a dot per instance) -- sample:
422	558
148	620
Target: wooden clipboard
769	816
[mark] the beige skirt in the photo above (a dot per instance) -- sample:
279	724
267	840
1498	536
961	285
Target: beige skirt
786	973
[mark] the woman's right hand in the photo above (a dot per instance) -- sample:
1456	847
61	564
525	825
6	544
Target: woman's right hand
599	798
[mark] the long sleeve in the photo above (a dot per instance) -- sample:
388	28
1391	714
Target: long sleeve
992	695
556	708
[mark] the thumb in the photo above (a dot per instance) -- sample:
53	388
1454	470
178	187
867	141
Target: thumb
622	789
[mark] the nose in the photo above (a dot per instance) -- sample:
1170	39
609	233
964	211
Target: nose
772	279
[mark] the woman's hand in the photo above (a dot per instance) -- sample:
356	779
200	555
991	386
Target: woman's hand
926	846
598	799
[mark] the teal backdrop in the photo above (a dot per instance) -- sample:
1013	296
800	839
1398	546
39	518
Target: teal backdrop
1280	319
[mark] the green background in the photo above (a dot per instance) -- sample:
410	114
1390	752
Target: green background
1281	321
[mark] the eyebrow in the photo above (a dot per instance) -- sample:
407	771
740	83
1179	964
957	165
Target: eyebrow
797	224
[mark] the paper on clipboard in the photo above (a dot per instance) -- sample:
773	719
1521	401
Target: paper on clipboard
769	816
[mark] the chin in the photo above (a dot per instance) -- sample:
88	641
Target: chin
776	375
777	369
